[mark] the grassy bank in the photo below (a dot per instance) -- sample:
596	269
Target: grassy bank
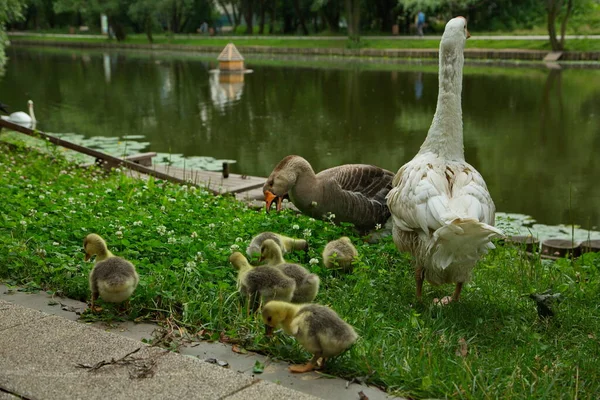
366	42
180	239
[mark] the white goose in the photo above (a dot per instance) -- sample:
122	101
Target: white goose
442	211
22	118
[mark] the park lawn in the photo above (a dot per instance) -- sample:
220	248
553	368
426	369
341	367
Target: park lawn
490	345
366	42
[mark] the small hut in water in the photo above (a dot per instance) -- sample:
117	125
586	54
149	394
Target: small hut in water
230	59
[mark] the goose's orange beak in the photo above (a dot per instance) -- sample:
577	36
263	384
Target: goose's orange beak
269	197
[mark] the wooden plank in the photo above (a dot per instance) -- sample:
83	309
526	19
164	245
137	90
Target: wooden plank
213	180
95	153
553	56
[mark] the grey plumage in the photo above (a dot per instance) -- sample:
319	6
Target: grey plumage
286	244
353	192
109	277
340	253
269	282
307	284
322	320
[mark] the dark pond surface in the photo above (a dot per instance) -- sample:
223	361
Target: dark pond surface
533	133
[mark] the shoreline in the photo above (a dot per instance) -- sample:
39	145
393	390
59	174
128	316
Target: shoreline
474	53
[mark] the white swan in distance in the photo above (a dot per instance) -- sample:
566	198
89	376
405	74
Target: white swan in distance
22	118
442	211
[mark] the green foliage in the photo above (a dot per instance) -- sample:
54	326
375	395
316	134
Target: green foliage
10	10
490	345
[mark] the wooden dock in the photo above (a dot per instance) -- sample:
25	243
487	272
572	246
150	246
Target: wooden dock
214	181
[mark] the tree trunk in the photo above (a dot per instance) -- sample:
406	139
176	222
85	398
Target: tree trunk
353	19
236	17
300	17
563	26
248	15
261	23
118	29
272	19
148	29
553	6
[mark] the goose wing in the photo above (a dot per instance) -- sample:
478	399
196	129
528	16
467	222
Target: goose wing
366	181
428	195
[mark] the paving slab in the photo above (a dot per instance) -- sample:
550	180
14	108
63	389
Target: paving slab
11	316
313	383
267	391
50	349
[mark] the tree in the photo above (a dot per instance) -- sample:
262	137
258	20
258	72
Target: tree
554	7
115	10
144	13
10	10
353	19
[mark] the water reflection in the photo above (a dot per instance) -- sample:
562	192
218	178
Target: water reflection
226	88
532	133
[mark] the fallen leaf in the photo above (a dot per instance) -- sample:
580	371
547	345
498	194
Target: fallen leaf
258	367
462	350
237	349
362	396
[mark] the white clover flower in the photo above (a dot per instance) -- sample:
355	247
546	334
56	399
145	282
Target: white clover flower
41	252
171	240
193	188
313	261
33	211
236	220
120	208
171	233
378	226
120	201
312	219
212	245
119	234
94	179
211	226
190	210
99	214
194	235
137	223
70	200
23	222
172	200
42	197
108	191
161	230
307	233
117	170
295	226
190	264
55	244
44	214
238	239
205	205
199	256
234	247
73	212
184	187
314	204
29	186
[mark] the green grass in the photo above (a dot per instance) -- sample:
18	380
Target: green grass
180	239
575	44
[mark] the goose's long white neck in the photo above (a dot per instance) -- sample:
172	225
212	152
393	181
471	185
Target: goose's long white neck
445	136
31	114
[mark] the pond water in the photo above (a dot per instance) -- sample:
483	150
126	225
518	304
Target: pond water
533	133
